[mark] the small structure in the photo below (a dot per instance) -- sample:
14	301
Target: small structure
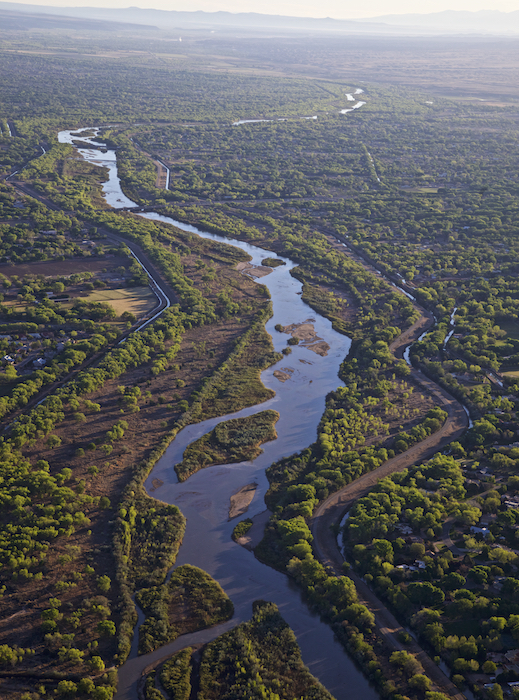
512	658
404	529
475	530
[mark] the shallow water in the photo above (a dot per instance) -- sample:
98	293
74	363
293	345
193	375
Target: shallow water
205	497
112	191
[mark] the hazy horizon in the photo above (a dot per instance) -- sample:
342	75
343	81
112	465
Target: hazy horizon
301	8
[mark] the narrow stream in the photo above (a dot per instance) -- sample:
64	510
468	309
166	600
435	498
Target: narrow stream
452	323
204	497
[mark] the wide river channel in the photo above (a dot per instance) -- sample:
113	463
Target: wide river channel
205	497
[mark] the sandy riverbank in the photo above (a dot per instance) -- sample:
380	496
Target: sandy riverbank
241	500
308	338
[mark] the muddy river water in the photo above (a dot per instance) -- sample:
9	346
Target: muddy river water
205	497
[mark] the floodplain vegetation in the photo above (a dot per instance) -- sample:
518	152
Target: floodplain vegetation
191	600
422	186
257	659
235	440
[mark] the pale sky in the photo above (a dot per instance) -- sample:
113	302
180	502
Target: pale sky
339	9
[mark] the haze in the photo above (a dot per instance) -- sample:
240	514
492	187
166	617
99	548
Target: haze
302	8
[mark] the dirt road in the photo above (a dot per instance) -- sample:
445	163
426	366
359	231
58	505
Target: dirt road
331	511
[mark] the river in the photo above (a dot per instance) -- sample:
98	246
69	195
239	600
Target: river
204	497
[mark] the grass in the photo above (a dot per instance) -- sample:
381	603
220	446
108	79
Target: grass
511	373
136	300
463	628
511	328
422	190
190	601
235	440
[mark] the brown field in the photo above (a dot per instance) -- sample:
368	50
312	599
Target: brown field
63	268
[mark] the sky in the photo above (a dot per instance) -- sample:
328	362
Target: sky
339	9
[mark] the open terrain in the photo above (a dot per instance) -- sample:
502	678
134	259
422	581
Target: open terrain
416	187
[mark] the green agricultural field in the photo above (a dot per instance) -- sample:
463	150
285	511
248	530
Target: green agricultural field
135	300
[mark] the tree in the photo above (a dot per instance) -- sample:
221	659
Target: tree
420	682
106	628
53	441
72	656
67	689
425	594
453	581
96	663
405	661
417	550
495	692
104	583
489	667
8	655
384	549
86	686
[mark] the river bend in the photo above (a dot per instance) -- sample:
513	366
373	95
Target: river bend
204	498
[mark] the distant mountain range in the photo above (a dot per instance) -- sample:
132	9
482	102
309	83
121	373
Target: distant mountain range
486	22
482	22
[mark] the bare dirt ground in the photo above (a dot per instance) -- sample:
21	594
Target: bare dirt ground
253	270
241	500
308	338
282	376
64	268
162	175
256	532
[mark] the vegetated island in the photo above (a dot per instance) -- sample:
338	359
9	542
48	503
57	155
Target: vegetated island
257	659
235	440
272	262
190	601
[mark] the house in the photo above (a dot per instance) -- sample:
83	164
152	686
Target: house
512	658
39	363
480	531
404	529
